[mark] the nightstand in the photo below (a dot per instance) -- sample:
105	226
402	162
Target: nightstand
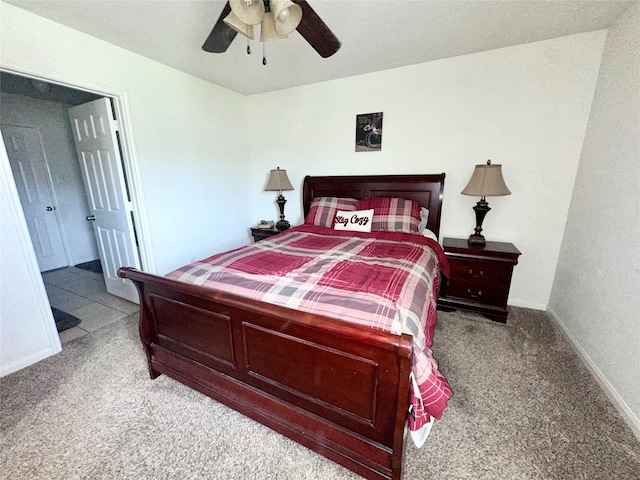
262	233
480	277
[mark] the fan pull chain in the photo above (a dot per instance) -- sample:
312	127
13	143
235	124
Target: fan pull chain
264	53
248	47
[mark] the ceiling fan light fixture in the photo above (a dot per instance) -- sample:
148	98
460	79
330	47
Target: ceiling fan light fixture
287	16
238	25
250	12
267	29
296	14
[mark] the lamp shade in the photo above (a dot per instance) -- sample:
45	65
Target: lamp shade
238	25
486	181
278	181
268	28
287	16
248	11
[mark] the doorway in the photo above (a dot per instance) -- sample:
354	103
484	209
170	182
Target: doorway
43	107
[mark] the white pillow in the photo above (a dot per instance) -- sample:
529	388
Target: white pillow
429	234
424	219
355	221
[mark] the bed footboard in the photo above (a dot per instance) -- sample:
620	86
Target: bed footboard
338	389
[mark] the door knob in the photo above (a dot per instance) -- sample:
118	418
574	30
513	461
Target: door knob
91	218
50	209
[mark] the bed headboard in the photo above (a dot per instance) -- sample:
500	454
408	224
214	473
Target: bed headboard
424	189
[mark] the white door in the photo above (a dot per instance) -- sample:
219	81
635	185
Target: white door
26	157
94	133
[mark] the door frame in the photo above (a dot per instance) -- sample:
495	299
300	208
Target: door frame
120	100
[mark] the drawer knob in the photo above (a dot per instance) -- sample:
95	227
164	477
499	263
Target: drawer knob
471	294
480	274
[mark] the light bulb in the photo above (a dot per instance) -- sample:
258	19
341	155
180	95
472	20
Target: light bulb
284	14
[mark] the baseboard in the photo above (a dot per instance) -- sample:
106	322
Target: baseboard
78	261
530	305
627	414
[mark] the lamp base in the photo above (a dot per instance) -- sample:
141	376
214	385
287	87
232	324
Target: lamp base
282	225
481	208
477	240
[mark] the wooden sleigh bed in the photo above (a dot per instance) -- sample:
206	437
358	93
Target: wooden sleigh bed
337	388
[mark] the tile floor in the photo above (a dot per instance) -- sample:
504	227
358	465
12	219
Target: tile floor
83	294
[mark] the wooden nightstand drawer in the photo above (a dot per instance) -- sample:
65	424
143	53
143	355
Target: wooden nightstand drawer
479	271
477	292
480	277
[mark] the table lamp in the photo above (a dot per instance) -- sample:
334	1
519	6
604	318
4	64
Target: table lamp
278	181
486	181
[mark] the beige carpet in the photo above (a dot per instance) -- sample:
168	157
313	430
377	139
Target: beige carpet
524	407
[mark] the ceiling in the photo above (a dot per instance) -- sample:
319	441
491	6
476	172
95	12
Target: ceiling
375	34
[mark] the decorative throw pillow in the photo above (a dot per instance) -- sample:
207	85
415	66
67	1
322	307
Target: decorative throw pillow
392	214
322	211
354	220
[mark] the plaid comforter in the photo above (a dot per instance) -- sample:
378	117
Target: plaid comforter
382	280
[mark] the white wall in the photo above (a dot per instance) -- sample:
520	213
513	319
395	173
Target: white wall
525	107
184	140
52	121
596	292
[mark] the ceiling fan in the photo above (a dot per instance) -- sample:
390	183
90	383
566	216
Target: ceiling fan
277	18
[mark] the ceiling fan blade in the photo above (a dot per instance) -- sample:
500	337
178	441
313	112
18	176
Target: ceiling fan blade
316	32
221	36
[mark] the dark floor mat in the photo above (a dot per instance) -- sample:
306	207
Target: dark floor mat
64	320
93	266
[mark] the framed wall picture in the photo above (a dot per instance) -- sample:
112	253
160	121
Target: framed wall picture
369	132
